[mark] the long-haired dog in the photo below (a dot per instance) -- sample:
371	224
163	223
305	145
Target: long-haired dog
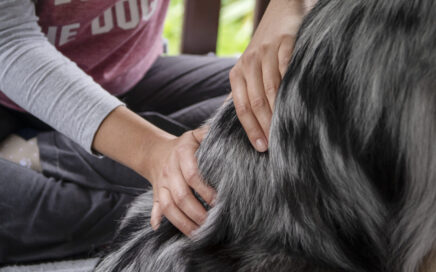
349	181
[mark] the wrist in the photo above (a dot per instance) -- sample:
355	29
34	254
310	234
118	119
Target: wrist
129	139
151	154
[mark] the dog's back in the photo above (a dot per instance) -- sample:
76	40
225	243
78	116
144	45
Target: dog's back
347	183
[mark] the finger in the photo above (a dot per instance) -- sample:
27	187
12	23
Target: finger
256	95
285	53
271	76
174	214
245	115
156	212
191	175
156	216
200	133
184	198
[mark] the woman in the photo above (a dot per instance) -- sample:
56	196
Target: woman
86	69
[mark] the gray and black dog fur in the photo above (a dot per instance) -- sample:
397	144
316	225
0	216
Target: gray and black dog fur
349	181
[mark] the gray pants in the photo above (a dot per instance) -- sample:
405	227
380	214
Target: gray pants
73	206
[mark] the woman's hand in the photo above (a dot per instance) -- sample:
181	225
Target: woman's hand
256	76
168	162
174	173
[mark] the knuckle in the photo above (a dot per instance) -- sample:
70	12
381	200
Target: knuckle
265	47
271	88
191	174
166	204
242	109
259	104
249	57
166	171
180	197
234	73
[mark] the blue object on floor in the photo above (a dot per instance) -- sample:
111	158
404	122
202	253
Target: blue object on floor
27	133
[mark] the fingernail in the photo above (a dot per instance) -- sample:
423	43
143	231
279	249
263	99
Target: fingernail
261	145
154	226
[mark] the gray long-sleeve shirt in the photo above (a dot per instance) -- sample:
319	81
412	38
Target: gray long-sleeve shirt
45	83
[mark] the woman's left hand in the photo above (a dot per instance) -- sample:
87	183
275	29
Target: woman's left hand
256	76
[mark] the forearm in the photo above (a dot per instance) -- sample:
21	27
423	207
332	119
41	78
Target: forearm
44	82
129	139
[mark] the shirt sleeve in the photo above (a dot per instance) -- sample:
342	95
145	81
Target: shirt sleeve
37	77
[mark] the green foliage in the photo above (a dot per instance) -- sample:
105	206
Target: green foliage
236	23
173	26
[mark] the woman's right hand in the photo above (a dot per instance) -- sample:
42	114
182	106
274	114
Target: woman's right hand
174	174
168	162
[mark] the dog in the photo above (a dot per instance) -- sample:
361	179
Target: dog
349	181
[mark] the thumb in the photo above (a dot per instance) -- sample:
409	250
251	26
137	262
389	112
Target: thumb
200	133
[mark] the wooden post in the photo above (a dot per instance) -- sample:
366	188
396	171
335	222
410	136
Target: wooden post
200	26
